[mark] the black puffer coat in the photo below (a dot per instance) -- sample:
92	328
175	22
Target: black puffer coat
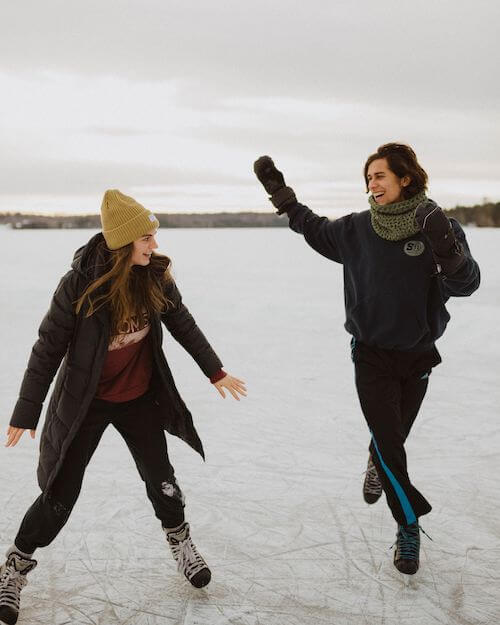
81	344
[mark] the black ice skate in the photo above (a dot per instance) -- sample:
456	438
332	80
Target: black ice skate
407	549
12	580
372	488
189	561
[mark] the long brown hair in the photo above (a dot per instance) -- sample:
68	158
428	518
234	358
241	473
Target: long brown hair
402	160
128	290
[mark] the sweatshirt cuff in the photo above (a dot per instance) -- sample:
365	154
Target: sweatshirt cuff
218	376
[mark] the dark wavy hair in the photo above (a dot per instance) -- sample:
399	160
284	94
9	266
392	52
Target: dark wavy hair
402	161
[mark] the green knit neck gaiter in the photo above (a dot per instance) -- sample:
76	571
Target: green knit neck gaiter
396	221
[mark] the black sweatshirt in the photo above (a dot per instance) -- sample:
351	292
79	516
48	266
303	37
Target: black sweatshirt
394	298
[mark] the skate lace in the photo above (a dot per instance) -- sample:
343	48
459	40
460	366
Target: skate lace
408	541
11	584
189	560
372	483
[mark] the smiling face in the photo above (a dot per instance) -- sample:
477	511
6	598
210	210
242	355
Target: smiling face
383	183
143	248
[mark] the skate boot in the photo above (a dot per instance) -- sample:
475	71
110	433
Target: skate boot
407	548
372	488
189	561
12	580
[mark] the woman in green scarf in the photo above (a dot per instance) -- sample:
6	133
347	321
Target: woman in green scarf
402	259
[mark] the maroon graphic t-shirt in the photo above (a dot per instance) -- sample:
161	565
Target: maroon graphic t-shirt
127	370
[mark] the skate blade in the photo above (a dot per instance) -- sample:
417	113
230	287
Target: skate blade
409	581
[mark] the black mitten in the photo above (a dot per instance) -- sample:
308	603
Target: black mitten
274	183
438	229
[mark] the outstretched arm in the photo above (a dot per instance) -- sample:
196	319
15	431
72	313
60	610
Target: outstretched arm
54	336
182	326
184	329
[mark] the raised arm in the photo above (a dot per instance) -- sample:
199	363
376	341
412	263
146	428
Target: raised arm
322	234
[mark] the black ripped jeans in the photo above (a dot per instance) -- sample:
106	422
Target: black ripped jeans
139	423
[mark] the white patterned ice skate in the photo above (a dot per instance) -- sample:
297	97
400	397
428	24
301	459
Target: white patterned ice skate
189	561
12	580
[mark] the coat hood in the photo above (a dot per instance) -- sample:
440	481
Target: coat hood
92	259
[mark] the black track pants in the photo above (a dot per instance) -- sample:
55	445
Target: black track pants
139	423
391	386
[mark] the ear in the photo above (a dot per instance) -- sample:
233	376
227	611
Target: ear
405	181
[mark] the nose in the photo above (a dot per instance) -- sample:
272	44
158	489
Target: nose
154	244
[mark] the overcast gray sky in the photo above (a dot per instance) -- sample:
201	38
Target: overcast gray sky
172	101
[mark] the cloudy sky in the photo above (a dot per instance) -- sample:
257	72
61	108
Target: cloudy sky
172	101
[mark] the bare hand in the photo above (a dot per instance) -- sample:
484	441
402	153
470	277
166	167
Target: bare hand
233	385
14	434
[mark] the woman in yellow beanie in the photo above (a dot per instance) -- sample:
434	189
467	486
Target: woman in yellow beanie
104	325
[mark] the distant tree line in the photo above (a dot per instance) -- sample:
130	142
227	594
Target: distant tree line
167	220
482	215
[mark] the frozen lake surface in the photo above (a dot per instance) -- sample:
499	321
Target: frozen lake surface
277	508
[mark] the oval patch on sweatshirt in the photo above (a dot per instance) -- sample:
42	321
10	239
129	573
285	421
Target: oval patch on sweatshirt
414	248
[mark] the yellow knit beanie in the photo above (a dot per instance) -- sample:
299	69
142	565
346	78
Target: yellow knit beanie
124	220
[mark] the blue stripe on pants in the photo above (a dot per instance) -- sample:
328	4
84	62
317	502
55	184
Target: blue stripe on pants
401	495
